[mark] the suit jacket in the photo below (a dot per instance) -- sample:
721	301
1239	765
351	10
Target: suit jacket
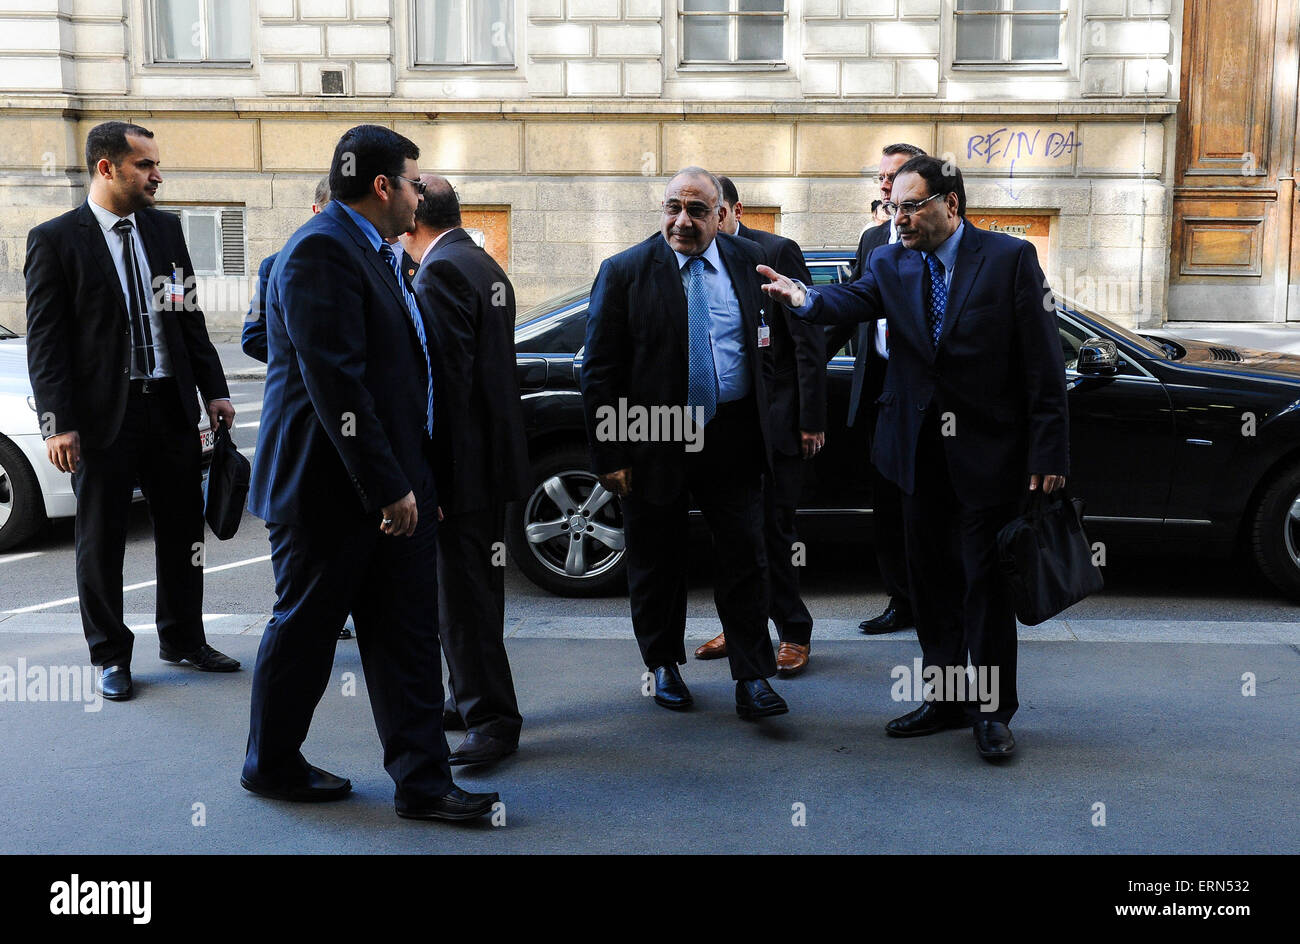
253	337
797	394
636	349
343	412
998	368
469	307
78	333
868	365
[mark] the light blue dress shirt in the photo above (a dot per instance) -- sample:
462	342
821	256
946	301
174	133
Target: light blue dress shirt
367	228
726	326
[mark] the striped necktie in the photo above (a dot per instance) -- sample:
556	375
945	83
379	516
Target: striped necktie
413	310
142	354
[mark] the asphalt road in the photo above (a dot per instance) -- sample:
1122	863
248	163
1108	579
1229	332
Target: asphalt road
1134	700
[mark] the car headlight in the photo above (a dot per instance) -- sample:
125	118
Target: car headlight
31	402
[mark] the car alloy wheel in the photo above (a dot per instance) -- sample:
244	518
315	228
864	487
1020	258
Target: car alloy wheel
22	511
571	527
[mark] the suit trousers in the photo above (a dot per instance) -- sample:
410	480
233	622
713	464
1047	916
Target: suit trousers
725	479
780	498
962	608
158	447
471	616
390	586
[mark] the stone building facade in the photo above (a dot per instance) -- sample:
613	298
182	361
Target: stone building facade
558	120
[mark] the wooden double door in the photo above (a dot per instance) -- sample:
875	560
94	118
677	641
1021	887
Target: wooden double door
1235	243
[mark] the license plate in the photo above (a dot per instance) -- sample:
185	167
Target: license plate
207	439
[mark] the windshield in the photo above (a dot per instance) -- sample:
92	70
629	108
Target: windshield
554	303
1137	340
6	334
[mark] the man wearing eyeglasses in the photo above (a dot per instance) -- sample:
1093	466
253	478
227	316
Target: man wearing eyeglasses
344	480
973	416
868	380
676	326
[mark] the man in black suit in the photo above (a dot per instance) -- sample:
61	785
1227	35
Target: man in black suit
973	416
469	307
344	479
675	395
116	349
868	380
797	400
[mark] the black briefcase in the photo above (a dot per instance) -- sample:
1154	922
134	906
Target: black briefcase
1046	558
227	489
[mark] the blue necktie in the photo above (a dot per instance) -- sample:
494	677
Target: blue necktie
413	310
938	297
701	377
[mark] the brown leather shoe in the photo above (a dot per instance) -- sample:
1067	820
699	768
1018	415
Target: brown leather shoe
791	658
715	648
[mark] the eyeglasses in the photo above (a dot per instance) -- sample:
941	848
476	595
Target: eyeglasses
418	184
907	207
696	211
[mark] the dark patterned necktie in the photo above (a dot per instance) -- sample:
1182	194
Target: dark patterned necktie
142	355
413	311
938	305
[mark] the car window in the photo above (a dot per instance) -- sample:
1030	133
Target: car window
825	274
1072	338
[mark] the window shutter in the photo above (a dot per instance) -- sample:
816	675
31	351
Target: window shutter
233	255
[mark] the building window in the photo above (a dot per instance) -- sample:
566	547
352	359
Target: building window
214	237
202	31
464	33
726	31
1006	31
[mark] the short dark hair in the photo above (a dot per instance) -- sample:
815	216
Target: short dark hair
909	149
440	208
322	195
941	177
730	195
364	153
108	140
875	205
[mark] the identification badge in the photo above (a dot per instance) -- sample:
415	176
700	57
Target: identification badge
176	289
764	336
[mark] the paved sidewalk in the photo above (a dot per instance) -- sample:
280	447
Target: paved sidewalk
1158	732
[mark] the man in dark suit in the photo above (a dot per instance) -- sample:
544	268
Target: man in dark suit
675	395
344	479
973	415
797	400
868	380
116	349
469	307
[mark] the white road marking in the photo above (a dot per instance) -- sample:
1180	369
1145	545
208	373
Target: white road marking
10	558
134	586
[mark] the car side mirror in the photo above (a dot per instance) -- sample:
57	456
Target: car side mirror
1098	357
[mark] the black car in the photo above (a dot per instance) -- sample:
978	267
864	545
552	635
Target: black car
1174	444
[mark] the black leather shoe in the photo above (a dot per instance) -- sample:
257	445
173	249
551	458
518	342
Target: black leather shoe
453	805
670	691
755	699
894	618
204	658
318	786
115	683
928	719
481	749
451	719
993	740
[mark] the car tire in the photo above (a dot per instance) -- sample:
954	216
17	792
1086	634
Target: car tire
22	509
1275	531
539	530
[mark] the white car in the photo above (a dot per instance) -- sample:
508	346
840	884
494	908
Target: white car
31	489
